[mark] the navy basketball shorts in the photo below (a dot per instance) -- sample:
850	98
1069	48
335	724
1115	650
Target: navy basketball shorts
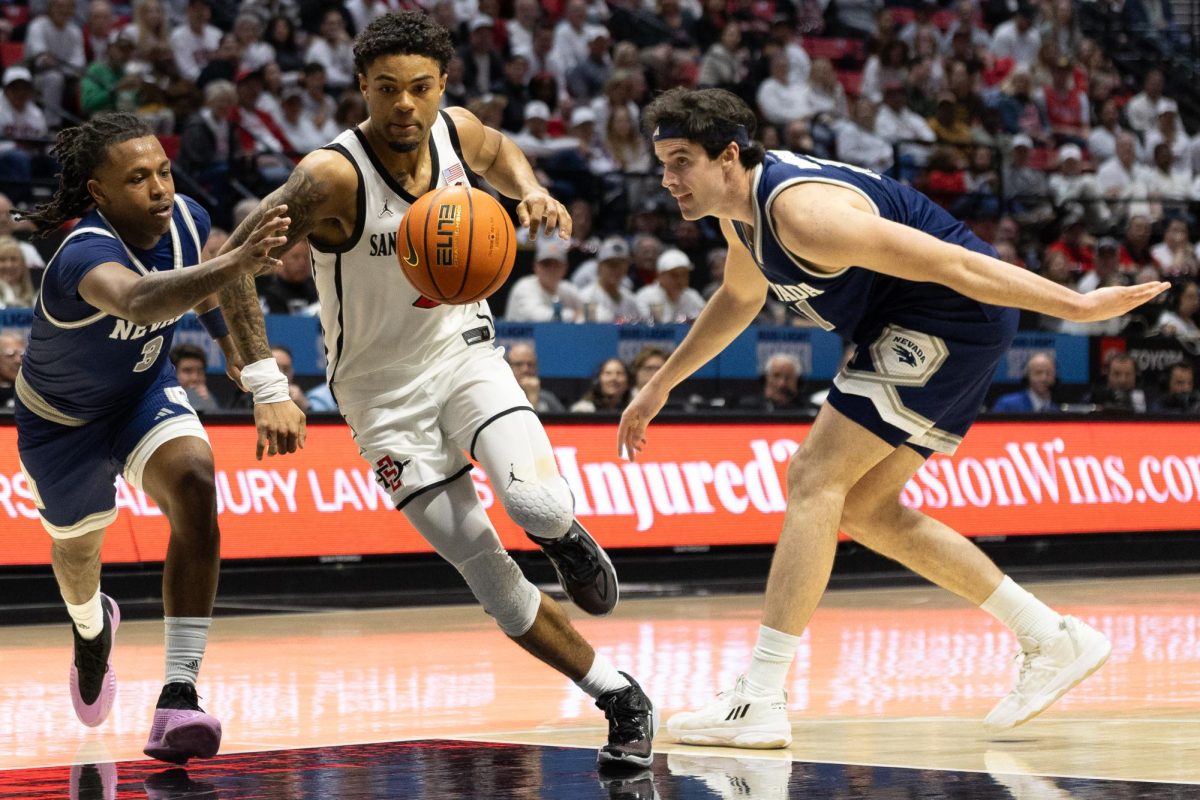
72	470
912	387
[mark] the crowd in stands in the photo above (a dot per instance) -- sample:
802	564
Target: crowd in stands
1004	111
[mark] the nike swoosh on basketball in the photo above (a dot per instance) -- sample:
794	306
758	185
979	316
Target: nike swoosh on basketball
411	258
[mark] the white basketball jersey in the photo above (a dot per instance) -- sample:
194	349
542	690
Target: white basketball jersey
373	319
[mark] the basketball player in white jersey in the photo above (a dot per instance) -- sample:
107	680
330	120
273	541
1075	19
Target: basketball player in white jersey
419	382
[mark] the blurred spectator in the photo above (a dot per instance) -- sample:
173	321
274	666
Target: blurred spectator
1135	249
333	49
514	87
350	112
591	149
526	15
895	121
1074	243
195	42
1025	187
797	137
855	17
320	399
9	227
1102	141
625	143
260	139
888	67
1167	184
1056	268
610	389
283	356
1039	379
1175	255
1180	396
544	296
779	99
1120	391
54	51
607	299
1064	107
271	99
22	125
619	91
1017	38
297	126
522	358
149	28
669	299
1169	130
1142	108
1061	26
254	53
112	84
780	387
98	30
571	34
244	208
216	240
1106	269
1071	185
12	351
223	65
921	23
1123	180
191	365
648	361
290	288
725	64
716	271
317	101
857	142
482	65
16	282
281	35
783	35
1019	113
825	94
586	80
946	179
534	138
209	145
1179	320
947	125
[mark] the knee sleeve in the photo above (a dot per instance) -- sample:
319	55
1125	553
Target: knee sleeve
542	508
502	590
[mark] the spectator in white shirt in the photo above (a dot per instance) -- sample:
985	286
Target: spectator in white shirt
195	42
248	30
334	50
825	94
1121	177
20	118
1170	131
607	299
534	139
54	50
526	15
298	126
544	296
1017	38
317	102
571	34
1102	141
1071	183
779	99
9	226
1167	183
669	299
895	121
857	142
1142	108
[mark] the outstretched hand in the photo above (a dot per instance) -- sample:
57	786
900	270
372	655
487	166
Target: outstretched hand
631	435
1113	301
539	211
269	234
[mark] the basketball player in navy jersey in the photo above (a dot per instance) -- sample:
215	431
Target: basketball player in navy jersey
930	310
419	382
97	397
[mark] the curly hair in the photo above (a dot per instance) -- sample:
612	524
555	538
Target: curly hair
402	33
80	151
708	117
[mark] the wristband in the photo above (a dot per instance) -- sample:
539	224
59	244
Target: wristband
264	380
214	322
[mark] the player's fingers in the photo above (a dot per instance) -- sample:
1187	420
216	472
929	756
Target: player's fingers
565	224
260	445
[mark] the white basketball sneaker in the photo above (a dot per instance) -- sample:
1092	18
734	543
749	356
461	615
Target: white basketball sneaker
735	719
742	778
1049	670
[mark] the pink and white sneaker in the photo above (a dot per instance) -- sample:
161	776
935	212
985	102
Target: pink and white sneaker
93	681
181	729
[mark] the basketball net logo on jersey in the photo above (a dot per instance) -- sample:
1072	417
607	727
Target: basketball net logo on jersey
389	472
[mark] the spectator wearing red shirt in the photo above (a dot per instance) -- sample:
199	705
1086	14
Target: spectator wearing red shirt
1074	243
1065	107
1135	249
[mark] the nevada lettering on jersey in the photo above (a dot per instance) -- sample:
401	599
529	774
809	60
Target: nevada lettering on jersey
383	244
124	329
796	296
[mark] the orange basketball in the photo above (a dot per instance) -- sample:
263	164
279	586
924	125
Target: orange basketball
456	245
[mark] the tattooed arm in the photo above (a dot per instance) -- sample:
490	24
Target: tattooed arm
159	296
320	195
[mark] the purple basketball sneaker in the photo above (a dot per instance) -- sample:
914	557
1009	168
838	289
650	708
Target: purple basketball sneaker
181	729
93	681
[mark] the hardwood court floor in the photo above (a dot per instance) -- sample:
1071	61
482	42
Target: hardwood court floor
895	678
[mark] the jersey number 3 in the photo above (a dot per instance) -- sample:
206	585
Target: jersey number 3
150	352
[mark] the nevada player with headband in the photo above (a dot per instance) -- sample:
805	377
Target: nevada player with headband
420	383
930	310
97	397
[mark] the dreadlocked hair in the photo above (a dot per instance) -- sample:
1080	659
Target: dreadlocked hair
80	150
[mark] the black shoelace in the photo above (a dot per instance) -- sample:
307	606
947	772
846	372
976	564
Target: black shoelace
626	718
574	558
179	696
91	660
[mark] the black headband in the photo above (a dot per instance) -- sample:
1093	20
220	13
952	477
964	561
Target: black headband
736	134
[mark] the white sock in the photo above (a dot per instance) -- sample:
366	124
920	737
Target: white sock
88	616
601	678
1021	612
186	640
773	654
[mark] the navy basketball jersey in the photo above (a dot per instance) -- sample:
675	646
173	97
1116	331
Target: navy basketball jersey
82	363
857	302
